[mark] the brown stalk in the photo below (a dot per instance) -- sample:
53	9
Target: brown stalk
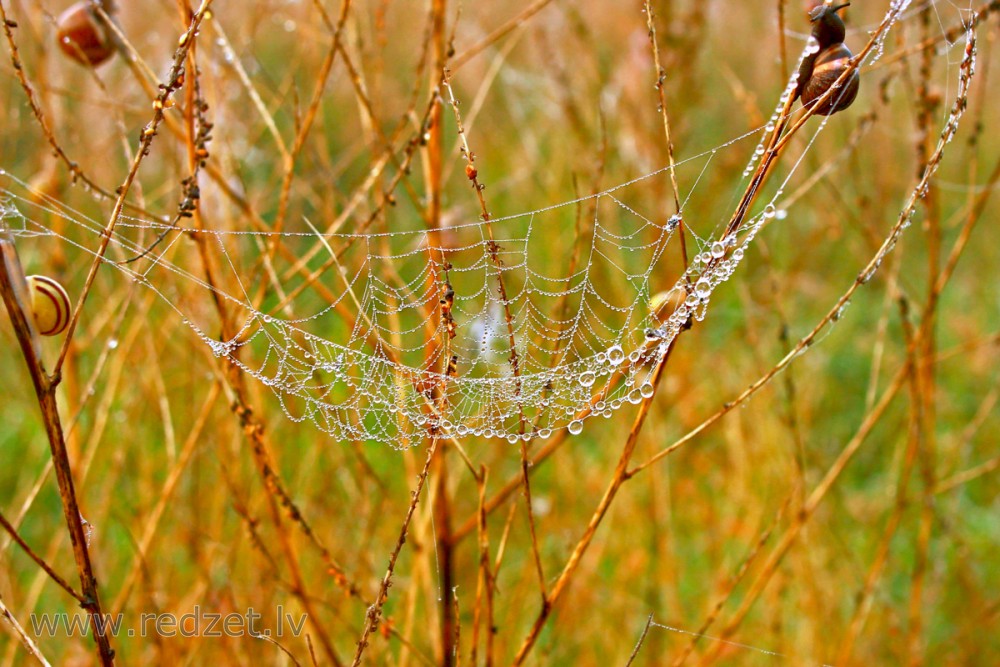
29	644
374	614
14	291
493	250
620	476
661	77
26	548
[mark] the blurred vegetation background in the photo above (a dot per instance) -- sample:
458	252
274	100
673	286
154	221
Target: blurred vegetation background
718	543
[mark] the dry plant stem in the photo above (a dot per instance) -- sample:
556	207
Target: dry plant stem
12	287
638	644
789	537
619	477
661	77
923	384
29	644
38	559
493	250
433	155
486	582
374	613
278	498
782	44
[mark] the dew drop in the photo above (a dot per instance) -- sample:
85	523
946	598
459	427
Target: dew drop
703	288
575	427
738	254
635	397
512	438
718	249
545	433
587	378
616	355
769	211
646	389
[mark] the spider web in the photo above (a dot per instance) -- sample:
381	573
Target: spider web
490	329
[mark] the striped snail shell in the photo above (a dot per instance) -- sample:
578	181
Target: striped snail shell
819	71
50	305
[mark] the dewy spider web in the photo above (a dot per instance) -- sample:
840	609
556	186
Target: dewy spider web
375	359
371	364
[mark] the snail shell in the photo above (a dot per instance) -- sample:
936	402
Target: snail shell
827	68
50	305
81	35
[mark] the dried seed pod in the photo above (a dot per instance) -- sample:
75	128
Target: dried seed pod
81	35
50	305
820	70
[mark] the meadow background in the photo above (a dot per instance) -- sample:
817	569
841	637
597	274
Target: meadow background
200	492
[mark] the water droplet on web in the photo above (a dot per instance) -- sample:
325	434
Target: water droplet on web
646	389
769	211
587	378
616	355
635	397
703	288
718	250
512	438
738	254
575	427
545	433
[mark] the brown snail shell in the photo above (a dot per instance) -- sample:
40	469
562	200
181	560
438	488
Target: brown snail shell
81	35
827	68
